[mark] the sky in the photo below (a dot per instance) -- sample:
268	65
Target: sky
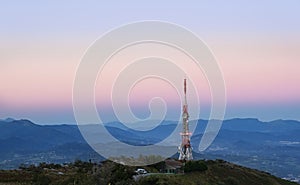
256	44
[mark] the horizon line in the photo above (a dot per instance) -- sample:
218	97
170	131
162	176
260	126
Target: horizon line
9	119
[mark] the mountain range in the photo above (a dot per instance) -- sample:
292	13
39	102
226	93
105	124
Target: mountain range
273	146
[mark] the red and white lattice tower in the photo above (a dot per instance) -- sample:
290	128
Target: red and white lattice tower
185	148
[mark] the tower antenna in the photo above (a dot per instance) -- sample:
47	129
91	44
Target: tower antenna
185	148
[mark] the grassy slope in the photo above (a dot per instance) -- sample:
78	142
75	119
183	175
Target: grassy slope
218	173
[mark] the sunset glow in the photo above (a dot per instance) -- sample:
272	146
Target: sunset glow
40	52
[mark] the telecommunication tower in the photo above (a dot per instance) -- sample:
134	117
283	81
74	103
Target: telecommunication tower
185	148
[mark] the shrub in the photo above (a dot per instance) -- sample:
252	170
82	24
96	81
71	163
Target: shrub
192	166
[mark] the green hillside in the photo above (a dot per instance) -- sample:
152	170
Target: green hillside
218	173
201	172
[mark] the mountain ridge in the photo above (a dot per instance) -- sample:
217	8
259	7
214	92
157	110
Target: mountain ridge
272	146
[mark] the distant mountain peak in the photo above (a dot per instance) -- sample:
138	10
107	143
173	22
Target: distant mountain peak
23	122
9	120
27	122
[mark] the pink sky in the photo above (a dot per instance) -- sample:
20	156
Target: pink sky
258	53
262	70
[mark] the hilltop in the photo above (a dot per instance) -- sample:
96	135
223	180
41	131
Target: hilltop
217	172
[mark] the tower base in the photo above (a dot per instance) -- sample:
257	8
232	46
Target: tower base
185	153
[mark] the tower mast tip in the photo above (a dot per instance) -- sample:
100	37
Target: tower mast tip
185	86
